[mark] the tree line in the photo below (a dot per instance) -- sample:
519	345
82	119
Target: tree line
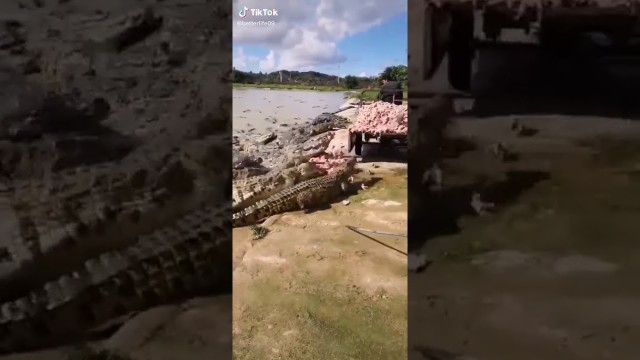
314	78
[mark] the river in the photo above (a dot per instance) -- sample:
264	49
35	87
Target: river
263	109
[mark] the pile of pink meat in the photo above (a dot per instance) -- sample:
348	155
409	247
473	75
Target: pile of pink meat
375	119
328	163
334	154
382	118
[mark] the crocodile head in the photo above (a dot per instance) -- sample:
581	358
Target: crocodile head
346	170
309	170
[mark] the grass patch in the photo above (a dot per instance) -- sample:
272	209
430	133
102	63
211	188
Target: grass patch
259	232
290	87
583	212
323	323
370	95
390	187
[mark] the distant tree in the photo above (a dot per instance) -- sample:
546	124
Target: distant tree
395	73
238	76
387	73
309	78
400	73
350	82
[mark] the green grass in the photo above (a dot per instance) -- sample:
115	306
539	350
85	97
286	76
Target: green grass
290	87
587	208
366	95
390	187
370	95
328	322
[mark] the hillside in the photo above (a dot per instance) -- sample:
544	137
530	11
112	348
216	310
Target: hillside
314	78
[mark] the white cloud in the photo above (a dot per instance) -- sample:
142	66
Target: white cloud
269	63
241	61
363	75
310	51
307	32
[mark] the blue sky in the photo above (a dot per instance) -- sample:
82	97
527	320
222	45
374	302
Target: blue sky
345	38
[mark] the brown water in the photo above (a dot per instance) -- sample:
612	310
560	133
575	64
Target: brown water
265	110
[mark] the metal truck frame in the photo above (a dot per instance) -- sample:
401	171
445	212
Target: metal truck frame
453	30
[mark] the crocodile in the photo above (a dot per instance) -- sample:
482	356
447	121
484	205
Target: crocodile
133	172
249	191
334	120
100	220
306	140
302	196
182	259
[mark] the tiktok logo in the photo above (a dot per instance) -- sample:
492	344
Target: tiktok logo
242	13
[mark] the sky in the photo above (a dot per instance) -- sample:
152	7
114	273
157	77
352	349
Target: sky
337	37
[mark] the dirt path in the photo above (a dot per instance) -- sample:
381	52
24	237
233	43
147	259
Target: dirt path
313	289
550	274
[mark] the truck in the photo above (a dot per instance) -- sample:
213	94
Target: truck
447	35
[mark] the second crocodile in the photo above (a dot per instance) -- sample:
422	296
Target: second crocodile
251	190
302	196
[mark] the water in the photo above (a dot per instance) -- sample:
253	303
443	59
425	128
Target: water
264	110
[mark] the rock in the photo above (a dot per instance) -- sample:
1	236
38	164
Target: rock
479	206
71	152
134	28
177	57
100	109
265	139
11	34
31	66
417	262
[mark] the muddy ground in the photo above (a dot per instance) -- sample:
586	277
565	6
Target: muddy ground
551	273
314	289
162	87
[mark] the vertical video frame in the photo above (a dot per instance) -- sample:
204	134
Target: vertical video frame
114	155
320	179
524	160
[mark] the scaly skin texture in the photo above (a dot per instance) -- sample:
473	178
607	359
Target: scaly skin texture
251	190
86	222
302	196
132	173
180	259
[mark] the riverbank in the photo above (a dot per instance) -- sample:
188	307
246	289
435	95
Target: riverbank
363	94
290	87
269	146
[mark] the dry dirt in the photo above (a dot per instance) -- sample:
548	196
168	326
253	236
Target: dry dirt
192	330
314	289
552	273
